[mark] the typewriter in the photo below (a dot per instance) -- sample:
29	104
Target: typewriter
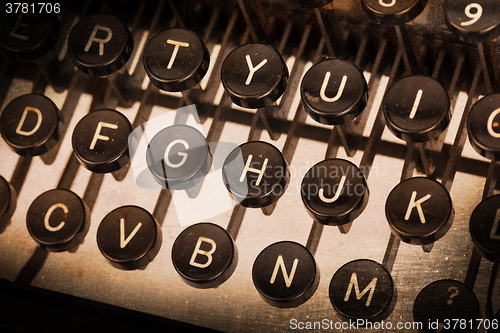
250	166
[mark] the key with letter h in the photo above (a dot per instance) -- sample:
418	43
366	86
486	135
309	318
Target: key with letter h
256	175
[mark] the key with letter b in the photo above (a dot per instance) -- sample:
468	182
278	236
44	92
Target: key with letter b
204	255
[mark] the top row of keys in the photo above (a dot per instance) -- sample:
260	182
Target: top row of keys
473	21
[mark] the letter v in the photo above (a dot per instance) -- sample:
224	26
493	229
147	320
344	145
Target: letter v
123	241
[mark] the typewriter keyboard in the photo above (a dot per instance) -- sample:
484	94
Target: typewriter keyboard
250	166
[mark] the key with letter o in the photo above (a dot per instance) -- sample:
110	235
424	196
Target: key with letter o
30	124
419	211
483	126
179	157
58	220
100	141
285	274
484	227
362	289
417	108
129	237
256	174
100	44
204	255
446	301
334	192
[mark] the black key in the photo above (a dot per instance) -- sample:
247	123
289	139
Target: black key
30	124
129	237
419	211
442	302
362	289
58	220
100	44
100	141
7	202
473	21
176	59
393	12
254	75
204	255
256	174
484	227
334	192
483	126
179	157
334	91
417	108
28	36
285	274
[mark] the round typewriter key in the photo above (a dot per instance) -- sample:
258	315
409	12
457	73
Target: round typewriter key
100	141
473	21
129	237
254	75
58	220
28	36
419	211
334	91
100	44
446	301
176	59
417	108
256	174
205	255
362	289
29	124
484	227
7	201
393	12
285	274
178	157
5	196
334	192
483	126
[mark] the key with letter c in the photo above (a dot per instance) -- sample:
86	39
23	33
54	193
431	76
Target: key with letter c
58	220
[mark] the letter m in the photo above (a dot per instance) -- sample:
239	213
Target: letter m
354	283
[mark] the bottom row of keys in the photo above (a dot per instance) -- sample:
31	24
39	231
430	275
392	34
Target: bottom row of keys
204	254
